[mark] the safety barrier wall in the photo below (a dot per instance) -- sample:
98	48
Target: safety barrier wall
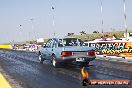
122	49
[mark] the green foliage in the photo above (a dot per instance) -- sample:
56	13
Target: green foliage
95	32
89	37
82	32
70	34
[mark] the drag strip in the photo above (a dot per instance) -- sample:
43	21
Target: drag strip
24	68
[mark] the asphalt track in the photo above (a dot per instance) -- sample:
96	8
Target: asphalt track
22	70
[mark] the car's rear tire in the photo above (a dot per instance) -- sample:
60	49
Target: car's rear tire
41	59
55	63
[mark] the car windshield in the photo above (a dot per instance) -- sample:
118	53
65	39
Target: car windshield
70	42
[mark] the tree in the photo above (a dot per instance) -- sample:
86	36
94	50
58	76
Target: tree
106	35
115	36
82	32
70	34
95	32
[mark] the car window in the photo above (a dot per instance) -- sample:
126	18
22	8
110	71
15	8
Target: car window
60	43
72	42
49	44
54	45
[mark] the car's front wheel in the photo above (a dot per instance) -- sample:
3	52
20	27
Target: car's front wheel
41	59
54	62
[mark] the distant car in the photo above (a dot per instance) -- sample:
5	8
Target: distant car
66	50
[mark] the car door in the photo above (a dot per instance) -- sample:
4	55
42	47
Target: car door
55	49
49	49
45	50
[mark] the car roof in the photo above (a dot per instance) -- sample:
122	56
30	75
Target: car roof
65	38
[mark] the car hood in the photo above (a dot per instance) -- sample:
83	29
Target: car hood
78	48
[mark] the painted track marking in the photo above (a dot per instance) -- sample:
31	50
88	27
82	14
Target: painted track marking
3	82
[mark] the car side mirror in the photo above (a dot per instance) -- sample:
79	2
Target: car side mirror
43	46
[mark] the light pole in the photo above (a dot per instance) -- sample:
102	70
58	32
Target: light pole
53	21
32	24
20	28
53	17
125	19
102	21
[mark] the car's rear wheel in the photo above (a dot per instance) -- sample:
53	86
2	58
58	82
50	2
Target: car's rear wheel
54	62
41	59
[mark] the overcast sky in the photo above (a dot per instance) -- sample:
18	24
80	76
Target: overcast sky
28	19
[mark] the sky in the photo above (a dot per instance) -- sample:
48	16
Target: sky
22	20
